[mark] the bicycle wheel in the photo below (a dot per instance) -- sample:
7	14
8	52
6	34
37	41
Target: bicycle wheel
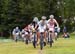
41	46
41	42
34	44
16	39
50	43
26	40
51	40
34	41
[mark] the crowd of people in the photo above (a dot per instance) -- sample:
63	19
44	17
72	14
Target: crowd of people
43	26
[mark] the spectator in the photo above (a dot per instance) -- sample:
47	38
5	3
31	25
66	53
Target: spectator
66	35
64	29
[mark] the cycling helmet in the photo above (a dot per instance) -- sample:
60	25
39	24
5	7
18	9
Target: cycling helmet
43	17
35	19
51	16
17	27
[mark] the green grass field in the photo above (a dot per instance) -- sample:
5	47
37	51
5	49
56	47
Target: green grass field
61	46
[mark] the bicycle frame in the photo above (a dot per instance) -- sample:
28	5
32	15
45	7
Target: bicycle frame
41	40
34	39
50	35
50	40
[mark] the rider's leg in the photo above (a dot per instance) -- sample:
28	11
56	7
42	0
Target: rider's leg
38	37
13	37
52	34
45	36
45	40
29	37
56	34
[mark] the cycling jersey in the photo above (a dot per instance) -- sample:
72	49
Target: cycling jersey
27	28
42	22
16	31
51	24
42	26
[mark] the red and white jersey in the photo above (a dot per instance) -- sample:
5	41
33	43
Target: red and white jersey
27	28
51	23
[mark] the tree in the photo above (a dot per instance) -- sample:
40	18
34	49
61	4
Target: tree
21	12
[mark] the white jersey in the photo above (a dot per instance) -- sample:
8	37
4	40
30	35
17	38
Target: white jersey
40	22
16	32
42	26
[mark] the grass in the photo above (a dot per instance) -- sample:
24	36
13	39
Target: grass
61	46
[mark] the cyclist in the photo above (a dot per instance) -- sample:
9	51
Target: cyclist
42	27
28	33
23	34
56	30
34	24
34	27
16	33
51	24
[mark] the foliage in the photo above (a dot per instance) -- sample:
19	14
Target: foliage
21	12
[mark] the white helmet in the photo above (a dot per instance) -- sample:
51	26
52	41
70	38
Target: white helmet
51	16
17	27
43	17
23	30
35	19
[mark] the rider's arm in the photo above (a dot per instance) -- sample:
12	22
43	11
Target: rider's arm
48	21
13	32
56	22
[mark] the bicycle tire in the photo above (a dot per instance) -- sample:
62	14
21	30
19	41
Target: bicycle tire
41	42
16	40
50	44
51	41
26	41
41	45
34	44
